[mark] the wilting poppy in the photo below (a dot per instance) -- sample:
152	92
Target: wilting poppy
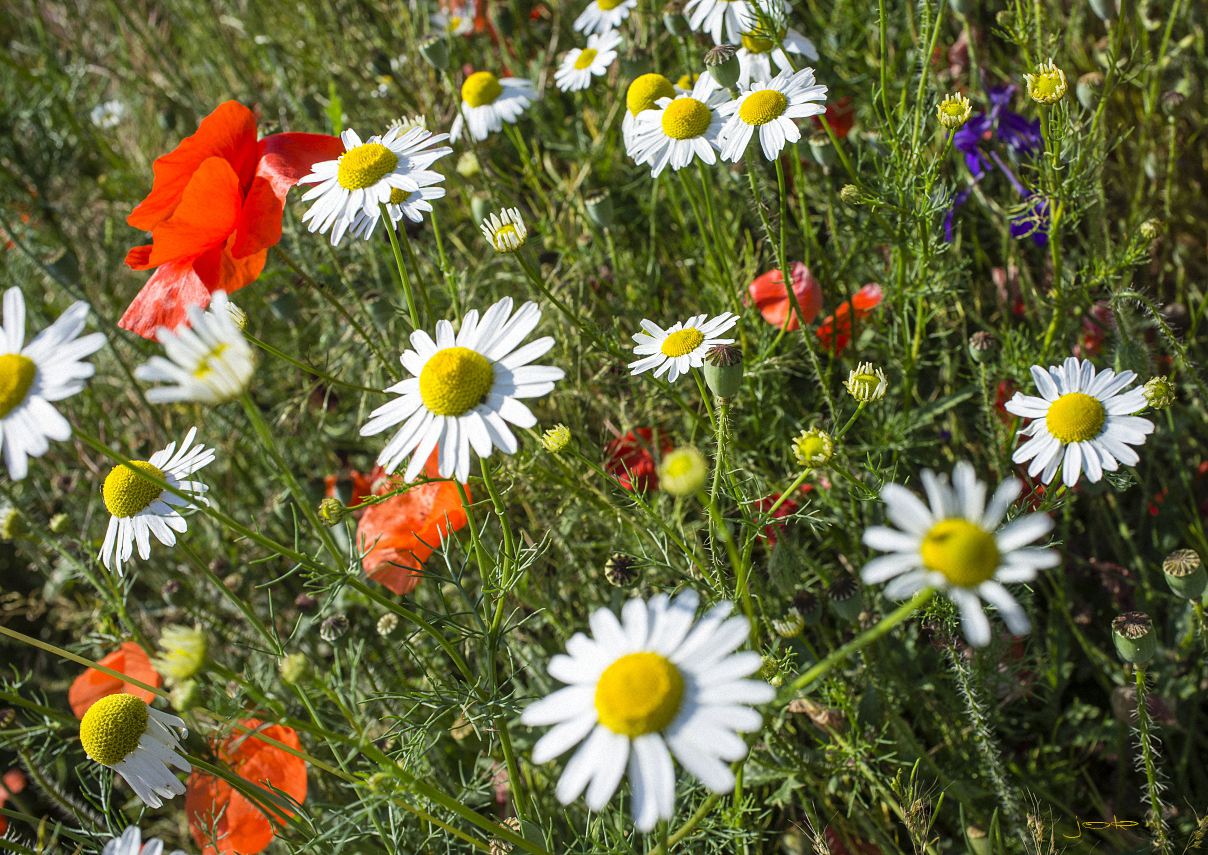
12	783
772	297
835	331
212	804
629	458
401	532
92	685
213	211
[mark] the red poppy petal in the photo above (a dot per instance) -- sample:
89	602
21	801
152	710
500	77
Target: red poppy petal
284	158
162	301
229	133
208	210
867	299
92	685
139	257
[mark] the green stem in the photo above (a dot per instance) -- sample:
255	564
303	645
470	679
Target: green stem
80	660
1155	821
404	279
273	642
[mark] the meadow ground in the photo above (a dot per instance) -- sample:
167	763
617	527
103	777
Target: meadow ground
903	558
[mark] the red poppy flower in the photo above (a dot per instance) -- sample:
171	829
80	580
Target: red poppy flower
772	297
835	331
401	532
1004	392
787	507
629	459
213	212
92	685
356	485
12	783
840	115
213	804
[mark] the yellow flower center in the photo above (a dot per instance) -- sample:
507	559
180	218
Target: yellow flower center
682	342
113	726
126	492
398	196
686	118
608	5
586	59
455	380
481	88
17	374
1075	417
1046	85
454	23
365	166
754	44
964	553
646	90
763	106
640	693
507	237
687	81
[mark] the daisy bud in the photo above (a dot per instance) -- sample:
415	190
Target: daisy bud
809	606
11	524
867	384
723	369
845	598
1088	89
813	448
184	653
851	194
469	167
1185	574
722	62
1135	639
185	696
387	624
982	347
435	51
59	523
333	628
674	20
556	438
954	111
294	667
505	231
1151	229
682	472
1047	85
1107	10
790	625
821	148
332	511
1159	391
599	207
621	570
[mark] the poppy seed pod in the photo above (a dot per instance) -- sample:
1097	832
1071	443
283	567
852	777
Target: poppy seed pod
723	369
435	51
1135	640
1185	574
722	62
810	607
845	598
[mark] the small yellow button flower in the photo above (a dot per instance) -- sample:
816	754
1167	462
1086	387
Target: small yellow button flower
1048	84
954	111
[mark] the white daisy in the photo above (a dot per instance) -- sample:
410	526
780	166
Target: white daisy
464	391
643	94
139	743
459	23
49	368
679	129
1082	419
365	176
756	56
208	358
726	20
131	843
600	16
581	64
956	546
488	101
680	346
505	231
141	508
411	205
650	682
770	108
108	114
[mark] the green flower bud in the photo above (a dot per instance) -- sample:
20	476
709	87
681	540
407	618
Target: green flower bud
435	51
1135	639
294	667
1088	89
821	148
599	207
1160	393
332	511
1185	574
556	439
851	194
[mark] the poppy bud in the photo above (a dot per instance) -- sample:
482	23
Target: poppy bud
435	51
723	369
1185	574
1088	89
1135	640
845	598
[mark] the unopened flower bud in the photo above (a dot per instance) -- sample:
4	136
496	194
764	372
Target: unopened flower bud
813	448
978	840
1151	229
293	667
11	524
387	624
332	511
954	111
480	206
1185	573
851	194
1135	639
599	207
673	19
556	438
845	599
1107	10
809	606
621	570
982	347
1172	101
469	167
822	150
723	369
1047	85
1159	392
435	51
722	62
333	628
682	472
790	625
1089	87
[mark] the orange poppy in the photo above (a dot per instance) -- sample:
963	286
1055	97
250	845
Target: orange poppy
12	783
400	533
212	804
92	685
835	332
772	297
213	211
